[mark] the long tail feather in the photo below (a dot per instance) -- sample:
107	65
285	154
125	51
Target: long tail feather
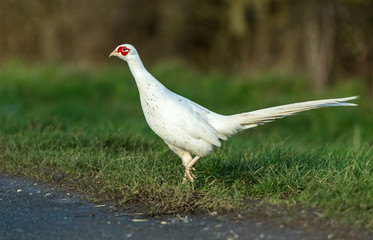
259	117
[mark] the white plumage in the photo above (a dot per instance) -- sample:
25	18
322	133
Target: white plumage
190	129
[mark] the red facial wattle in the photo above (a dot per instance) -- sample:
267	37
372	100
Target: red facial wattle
123	50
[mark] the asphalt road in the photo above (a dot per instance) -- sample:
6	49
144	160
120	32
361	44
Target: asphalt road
34	210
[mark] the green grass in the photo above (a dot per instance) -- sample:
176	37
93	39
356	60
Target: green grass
87	125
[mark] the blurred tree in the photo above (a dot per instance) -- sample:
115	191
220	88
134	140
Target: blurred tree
320	39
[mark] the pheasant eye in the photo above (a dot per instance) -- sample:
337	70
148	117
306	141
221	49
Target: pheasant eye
123	50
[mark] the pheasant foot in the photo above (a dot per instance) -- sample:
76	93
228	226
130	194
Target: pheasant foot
188	174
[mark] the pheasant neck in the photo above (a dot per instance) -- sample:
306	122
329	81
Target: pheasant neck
143	78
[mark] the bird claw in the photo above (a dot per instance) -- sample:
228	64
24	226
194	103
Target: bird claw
192	174
189	174
188	168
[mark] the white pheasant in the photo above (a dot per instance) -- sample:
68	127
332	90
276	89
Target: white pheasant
190	129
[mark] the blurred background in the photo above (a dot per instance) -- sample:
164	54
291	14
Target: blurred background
328	41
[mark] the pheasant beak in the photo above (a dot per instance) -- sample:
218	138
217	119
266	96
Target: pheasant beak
114	53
